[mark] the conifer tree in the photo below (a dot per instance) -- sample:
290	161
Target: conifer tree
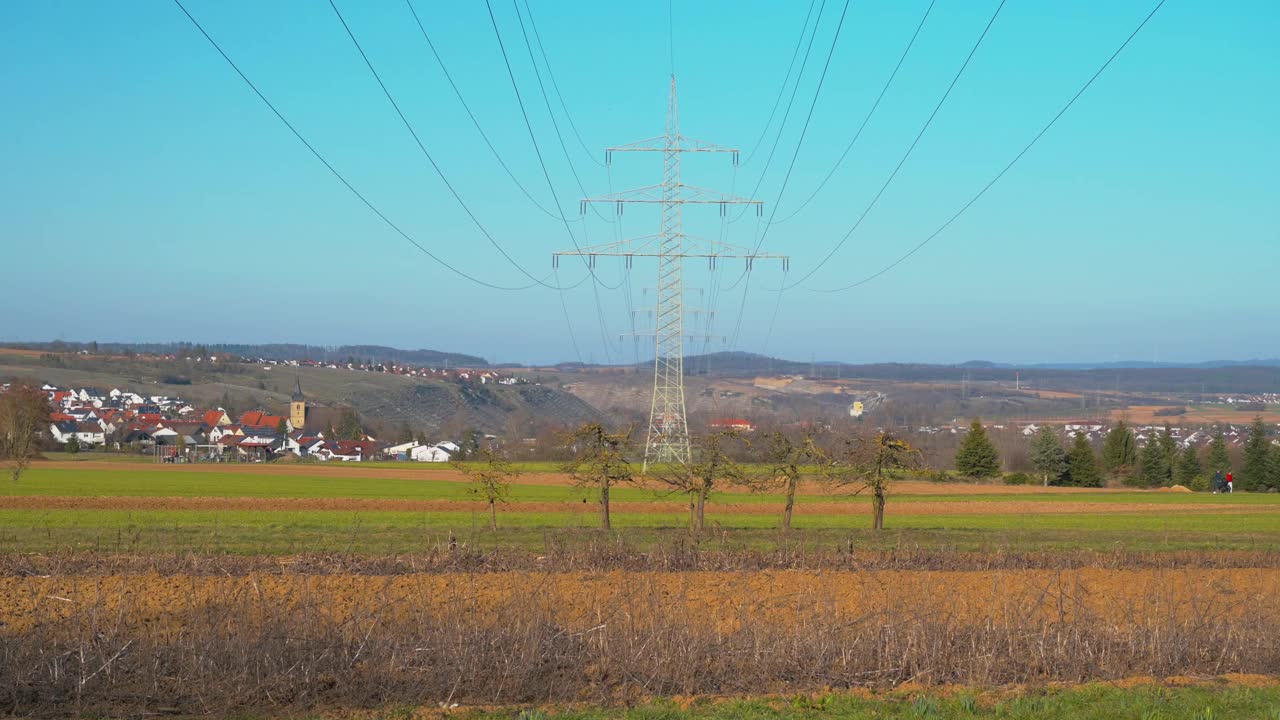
1219	458
1048	457
1082	466
1257	459
977	457
1169	447
1120	449
1153	469
1189	473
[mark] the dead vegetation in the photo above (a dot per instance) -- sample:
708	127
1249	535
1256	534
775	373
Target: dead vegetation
241	648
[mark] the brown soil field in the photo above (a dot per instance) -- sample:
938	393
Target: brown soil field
426	471
851	507
1055	394
725	601
1145	415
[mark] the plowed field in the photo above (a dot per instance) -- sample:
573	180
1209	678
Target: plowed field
727	601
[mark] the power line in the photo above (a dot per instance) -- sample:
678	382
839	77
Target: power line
786	79
1011	163
787	113
794	155
474	121
329	166
542	163
565	309
867	119
923	129
423	148
547	101
556	86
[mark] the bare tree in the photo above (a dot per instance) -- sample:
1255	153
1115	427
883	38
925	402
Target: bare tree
599	463
491	478
24	415
785	457
869	463
697	479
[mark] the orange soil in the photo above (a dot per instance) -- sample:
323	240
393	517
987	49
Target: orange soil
855	507
725	600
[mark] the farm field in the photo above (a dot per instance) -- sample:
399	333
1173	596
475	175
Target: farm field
286	589
252	509
1195	415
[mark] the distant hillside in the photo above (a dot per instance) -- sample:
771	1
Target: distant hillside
278	351
438	407
1217	377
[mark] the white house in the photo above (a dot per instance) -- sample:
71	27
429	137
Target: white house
62	431
429	453
402	448
450	447
90	433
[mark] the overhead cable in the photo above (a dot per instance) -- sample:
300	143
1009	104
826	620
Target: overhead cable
474	121
1010	164
334	171
863	126
903	160
425	153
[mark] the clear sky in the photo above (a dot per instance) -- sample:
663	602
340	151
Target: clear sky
148	195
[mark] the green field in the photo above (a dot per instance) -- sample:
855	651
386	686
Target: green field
264	529
1087	702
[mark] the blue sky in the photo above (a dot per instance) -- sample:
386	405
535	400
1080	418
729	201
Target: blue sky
148	195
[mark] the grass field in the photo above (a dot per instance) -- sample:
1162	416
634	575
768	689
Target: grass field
265	509
1147	701
303	589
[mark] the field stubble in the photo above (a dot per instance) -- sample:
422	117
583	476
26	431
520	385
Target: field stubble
98	636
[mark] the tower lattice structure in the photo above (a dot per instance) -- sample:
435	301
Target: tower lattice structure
667	440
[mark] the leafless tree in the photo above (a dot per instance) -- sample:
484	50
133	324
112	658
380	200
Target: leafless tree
600	463
869	463
785	457
24	416
491	478
713	465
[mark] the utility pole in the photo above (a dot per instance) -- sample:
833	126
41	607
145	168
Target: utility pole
668	435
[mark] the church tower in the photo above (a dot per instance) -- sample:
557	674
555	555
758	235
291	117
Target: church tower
298	406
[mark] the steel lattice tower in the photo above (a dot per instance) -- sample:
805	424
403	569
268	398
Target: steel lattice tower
668	435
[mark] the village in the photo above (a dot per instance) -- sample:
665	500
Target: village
171	429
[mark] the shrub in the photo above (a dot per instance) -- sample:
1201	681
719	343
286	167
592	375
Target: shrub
1018	478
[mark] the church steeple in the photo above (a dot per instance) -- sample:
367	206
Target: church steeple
298	407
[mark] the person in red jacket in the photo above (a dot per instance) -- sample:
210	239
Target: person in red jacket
1230	487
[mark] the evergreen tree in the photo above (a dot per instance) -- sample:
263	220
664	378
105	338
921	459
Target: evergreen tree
349	427
1048	457
1120	449
1169	447
1257	459
1153	469
1219	458
977	457
1189	473
1082	467
406	433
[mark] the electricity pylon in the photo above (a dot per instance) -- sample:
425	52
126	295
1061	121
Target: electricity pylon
668	436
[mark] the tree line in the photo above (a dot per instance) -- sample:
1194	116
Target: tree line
1158	463
601	461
